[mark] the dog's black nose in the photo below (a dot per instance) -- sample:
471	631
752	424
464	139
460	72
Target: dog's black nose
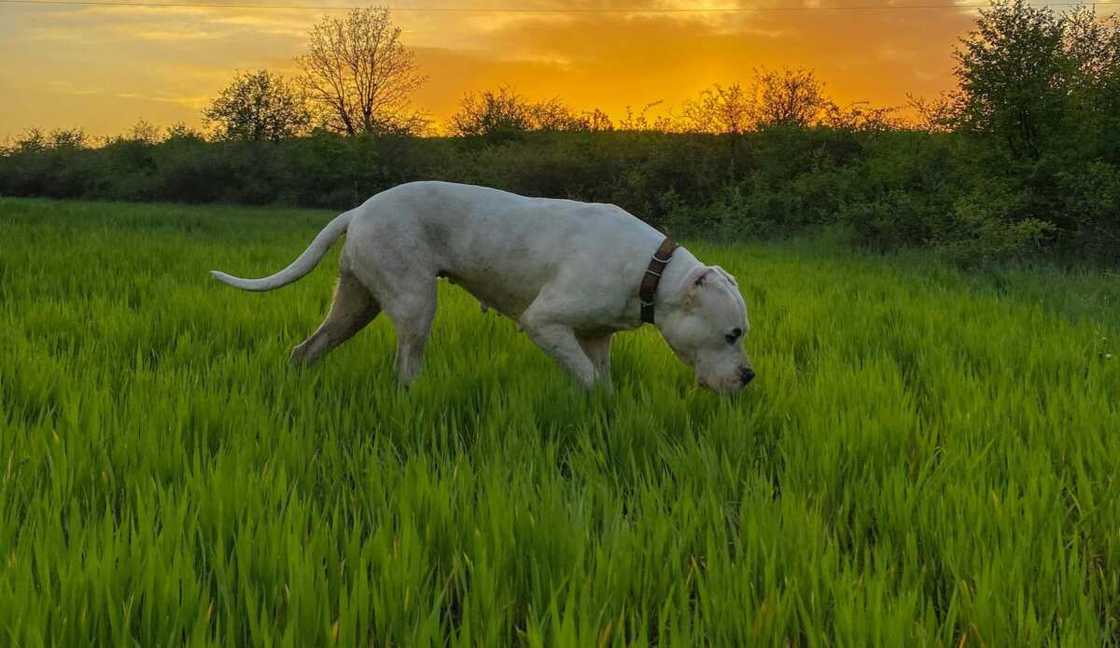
746	374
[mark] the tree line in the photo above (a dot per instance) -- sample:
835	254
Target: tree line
357	77
1021	158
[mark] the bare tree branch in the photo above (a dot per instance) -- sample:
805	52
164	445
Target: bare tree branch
359	75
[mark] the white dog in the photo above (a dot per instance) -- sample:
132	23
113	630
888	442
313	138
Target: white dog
569	273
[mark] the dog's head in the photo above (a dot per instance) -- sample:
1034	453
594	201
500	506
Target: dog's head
706	326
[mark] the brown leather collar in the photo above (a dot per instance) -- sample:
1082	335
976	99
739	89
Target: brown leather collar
657	264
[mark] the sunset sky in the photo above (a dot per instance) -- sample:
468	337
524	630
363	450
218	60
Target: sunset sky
104	68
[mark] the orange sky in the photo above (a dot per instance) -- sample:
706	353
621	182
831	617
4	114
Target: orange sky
103	68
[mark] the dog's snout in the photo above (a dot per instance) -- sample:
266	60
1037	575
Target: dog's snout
746	374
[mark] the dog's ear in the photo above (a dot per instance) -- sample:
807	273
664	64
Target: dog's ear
699	276
726	275
695	280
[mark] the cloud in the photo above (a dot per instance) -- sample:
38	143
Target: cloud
615	60
605	53
195	102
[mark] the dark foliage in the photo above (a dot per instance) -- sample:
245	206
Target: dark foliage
888	189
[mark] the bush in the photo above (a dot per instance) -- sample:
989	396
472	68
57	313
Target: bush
1093	195
985	231
894	219
889	189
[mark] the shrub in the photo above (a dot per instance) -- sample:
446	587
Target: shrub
985	230
889	189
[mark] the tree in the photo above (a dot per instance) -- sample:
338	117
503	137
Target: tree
500	114
791	97
861	116
554	115
785	98
936	115
67	139
359	75
639	121
503	114
597	121
257	106
143	132
721	110
1012	71
180	132
1093	45
33	140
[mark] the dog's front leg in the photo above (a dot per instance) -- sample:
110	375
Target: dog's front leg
560	342
598	349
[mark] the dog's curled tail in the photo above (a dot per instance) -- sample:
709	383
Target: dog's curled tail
298	268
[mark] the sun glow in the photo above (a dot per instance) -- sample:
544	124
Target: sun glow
102	69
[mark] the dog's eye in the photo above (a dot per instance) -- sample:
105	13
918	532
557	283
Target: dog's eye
733	335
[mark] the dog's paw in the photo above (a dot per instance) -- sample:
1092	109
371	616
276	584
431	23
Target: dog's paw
298	356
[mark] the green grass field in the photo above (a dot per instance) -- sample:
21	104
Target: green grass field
926	458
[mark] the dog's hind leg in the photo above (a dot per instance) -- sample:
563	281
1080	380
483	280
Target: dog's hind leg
352	309
412	307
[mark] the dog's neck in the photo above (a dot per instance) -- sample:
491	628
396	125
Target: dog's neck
670	289
674	280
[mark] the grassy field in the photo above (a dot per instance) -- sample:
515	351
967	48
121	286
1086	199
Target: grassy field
926	458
